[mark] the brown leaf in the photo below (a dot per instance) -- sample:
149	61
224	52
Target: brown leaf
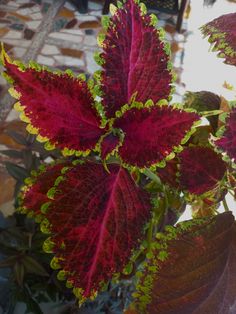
192	270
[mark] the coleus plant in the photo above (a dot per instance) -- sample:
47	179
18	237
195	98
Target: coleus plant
131	159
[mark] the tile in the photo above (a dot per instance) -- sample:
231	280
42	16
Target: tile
15	125
28	34
67	13
69	61
20	16
12	116
17	26
13	35
72	52
45	60
13	4
89	32
50	50
8	208
92	66
90	41
4	22
18	52
45	7
170	28
26	5
90	24
94	5
24	12
73	31
2	14
69	6
72	23
175	47
3	31
59	24
36	16
33	24
7	192
85	17
23	1
16	42
67	37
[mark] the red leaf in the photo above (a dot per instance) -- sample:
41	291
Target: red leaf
151	134
168	174
59	106
35	194
222	32
192	270
96	220
109	143
134	60
200	169
228	141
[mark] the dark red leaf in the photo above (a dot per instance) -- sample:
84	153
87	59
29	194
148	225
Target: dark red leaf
227	142
168	174
35	193
200	169
192	269
222	32
151	134
58	106
96	220
109	143
134	60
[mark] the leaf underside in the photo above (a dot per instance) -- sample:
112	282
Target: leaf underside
200	169
227	143
134	60
96	219
59	106
198	273
222	32
151	134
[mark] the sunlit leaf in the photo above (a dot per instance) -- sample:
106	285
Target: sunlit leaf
151	134
191	269
95	219
201	169
134	60
58	107
227	143
204	101
222	33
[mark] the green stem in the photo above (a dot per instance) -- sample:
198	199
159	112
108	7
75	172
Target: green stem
225	205
149	235
152	176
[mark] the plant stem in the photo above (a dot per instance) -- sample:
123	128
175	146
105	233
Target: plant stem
225	205
152	176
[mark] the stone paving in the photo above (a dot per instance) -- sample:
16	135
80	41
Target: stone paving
55	34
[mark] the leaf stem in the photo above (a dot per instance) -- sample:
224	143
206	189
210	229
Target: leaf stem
225	205
152	176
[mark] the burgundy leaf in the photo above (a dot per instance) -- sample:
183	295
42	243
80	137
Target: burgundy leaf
134	60
168	174
35	193
59	106
191	269
228	141
151	134
96	220
109	143
222	32
200	169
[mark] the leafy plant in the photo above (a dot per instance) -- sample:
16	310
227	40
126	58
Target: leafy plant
133	163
